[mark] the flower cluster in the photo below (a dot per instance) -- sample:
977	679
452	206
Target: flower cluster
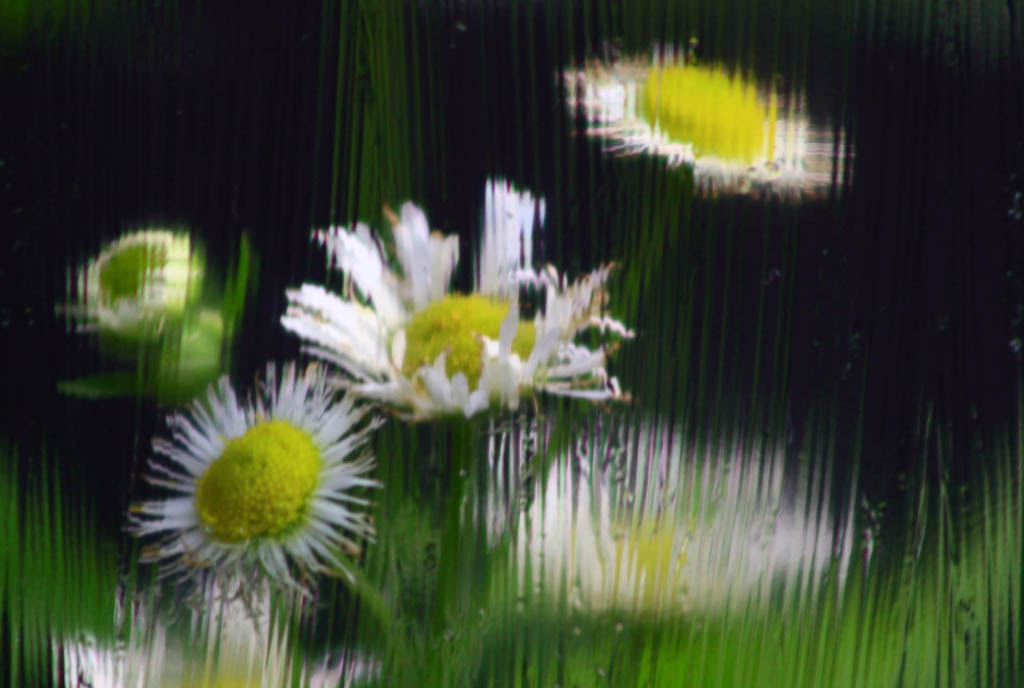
275	486
267	493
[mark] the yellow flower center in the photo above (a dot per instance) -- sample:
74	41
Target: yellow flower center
720	115
261	485
456	321
125	273
225	682
656	566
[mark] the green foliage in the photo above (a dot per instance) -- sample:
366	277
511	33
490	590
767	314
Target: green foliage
58	580
172	368
239	287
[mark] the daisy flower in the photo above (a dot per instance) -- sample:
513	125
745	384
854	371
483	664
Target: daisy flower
735	135
406	340
140	282
228	640
629	521
265	486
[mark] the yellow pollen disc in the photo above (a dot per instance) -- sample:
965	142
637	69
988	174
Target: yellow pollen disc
455	321
125	273
261	485
655	565
222	682
720	115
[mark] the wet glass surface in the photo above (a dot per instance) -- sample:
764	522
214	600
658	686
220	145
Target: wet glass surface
775	436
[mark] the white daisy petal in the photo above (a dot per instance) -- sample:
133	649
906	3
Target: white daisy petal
398	349
588	394
543	350
412	247
436	381
575	361
607	324
506	251
460	390
355	254
508	330
350	330
477	402
444	255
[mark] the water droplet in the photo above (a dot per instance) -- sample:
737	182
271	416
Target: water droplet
773	275
1016	211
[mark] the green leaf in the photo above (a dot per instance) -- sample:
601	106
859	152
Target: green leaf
102	386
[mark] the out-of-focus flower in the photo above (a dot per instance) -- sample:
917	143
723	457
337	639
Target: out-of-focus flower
269	487
231	638
184	365
144	296
139	284
737	136
407	341
656	531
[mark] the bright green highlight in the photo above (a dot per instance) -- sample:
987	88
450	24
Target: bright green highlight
720	115
261	485
125	273
455	321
